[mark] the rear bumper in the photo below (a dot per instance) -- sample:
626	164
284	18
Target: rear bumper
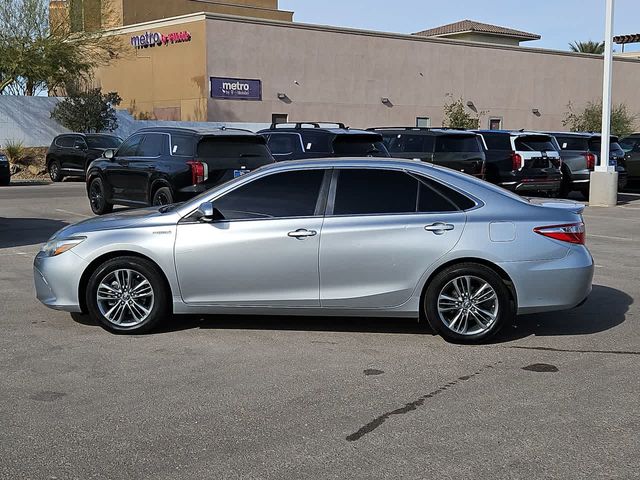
545	286
532	185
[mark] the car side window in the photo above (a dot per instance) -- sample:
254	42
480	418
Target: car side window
130	146
436	197
182	145
284	143
373	191
78	142
152	145
65	141
281	195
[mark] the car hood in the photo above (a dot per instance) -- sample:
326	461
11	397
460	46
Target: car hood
143	217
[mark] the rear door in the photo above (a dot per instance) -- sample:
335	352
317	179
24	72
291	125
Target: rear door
460	152
383	229
230	156
77	158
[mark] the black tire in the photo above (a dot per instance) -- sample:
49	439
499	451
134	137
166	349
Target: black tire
5	181
162	196
502	307
157	305
565	188
97	197
54	171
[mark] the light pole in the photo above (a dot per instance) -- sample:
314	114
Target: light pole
604	179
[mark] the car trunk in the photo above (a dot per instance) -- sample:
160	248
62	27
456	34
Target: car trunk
539	156
231	156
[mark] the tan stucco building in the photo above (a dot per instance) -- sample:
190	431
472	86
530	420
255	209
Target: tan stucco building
246	61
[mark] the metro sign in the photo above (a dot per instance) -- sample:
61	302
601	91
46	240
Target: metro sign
153	39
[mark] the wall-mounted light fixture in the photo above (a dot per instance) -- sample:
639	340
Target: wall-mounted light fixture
282	96
385	100
536	112
472	106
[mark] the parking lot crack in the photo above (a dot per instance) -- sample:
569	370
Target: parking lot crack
411	406
571	350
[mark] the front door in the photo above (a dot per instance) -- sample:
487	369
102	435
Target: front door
385	229
117	171
265	250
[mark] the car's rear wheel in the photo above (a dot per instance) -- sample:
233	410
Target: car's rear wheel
54	171
162	196
468	303
97	197
127	295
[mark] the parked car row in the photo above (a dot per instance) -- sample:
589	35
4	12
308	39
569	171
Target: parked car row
159	166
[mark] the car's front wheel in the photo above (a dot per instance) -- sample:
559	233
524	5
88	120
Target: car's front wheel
127	295
97	197
468	303
162	196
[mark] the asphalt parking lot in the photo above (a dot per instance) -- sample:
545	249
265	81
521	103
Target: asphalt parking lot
556	396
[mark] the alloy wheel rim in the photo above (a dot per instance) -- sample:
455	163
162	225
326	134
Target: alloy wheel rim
161	200
96	196
53	171
125	297
468	305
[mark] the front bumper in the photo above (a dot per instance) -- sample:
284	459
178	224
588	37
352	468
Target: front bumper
57	280
551	285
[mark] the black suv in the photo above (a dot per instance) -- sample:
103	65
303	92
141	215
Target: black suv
160	166
631	147
522	161
455	149
295	141
580	153
71	153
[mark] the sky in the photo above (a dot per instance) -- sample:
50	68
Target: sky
558	21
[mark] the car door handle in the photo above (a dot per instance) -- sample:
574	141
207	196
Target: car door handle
302	233
439	228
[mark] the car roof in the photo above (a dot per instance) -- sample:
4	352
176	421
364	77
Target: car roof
89	134
214	131
423	130
512	132
332	131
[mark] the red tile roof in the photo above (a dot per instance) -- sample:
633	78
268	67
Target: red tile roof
477	27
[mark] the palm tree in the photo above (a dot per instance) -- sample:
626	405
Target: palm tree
587	47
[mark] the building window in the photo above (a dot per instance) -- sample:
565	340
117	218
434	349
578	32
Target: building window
424	122
495	123
279	118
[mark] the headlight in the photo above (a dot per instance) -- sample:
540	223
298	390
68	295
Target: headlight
57	246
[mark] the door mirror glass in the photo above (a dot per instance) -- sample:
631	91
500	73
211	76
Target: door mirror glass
109	153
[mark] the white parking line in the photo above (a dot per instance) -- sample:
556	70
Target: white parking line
611	238
72	213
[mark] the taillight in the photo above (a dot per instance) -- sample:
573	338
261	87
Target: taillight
591	160
516	161
570	233
199	172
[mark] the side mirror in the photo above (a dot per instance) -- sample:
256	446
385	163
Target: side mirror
109	154
209	213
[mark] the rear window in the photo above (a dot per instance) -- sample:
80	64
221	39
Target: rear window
103	141
457	143
535	143
497	141
359	145
573	143
233	147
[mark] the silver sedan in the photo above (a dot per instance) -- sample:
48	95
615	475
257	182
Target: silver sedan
351	237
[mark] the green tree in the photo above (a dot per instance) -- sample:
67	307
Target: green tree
38	55
456	116
587	47
590	119
89	111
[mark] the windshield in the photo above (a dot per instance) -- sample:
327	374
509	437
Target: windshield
359	146
103	141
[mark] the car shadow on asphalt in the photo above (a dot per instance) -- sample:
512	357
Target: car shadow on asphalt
19	232
605	309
